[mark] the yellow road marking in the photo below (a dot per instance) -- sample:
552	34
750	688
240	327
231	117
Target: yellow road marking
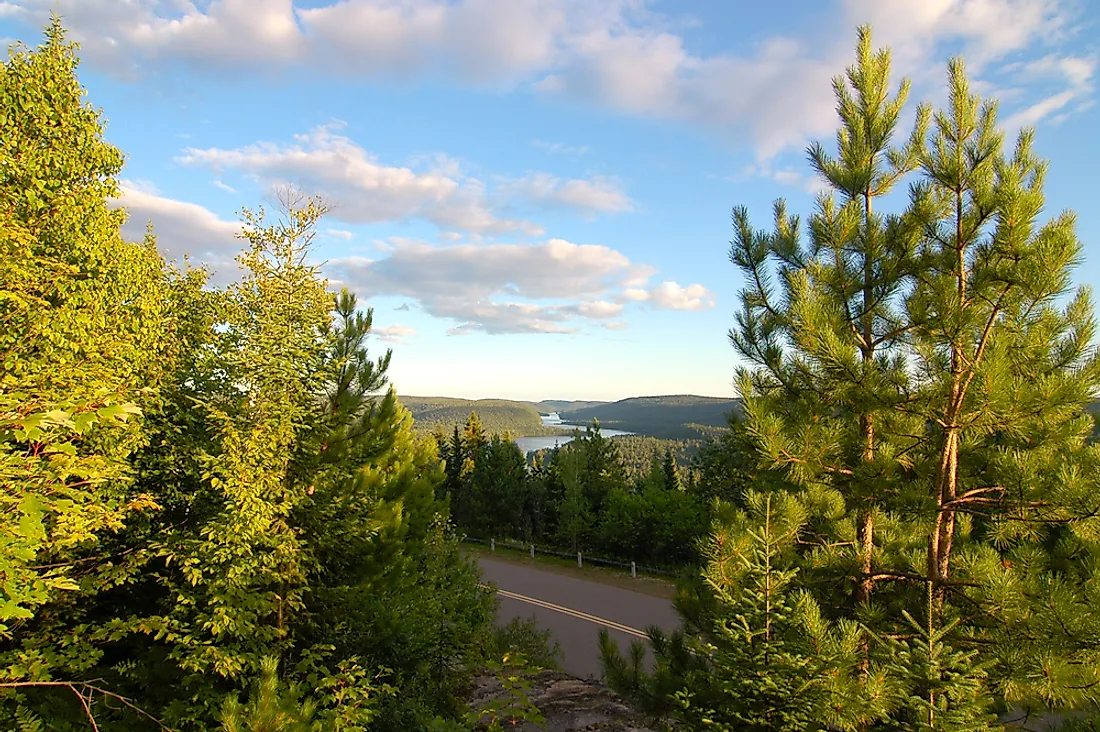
573	613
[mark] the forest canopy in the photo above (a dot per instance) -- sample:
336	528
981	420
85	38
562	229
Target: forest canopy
214	513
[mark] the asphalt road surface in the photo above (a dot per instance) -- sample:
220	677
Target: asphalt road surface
574	610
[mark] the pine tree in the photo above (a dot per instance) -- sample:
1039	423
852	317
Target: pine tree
751	663
671	475
575	516
922	377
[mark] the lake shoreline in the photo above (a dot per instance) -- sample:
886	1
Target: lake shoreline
534	443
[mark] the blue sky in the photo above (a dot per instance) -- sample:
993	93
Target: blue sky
534	195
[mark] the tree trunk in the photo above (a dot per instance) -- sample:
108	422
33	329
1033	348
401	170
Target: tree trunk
947	478
865	528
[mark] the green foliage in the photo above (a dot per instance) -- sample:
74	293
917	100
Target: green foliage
919	379
653	692
499	416
523	637
580	497
271	707
947	686
637	452
198	481
515	707
753	664
669	417
85	325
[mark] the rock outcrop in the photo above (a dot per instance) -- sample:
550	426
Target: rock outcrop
569	704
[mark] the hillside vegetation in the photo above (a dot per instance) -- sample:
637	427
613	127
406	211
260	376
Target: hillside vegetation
638	452
563	405
677	417
520	419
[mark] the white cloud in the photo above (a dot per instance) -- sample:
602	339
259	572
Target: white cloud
225	187
674	297
393	333
600	309
634	294
1075	73
340	234
479	41
587	197
547	287
610	53
361	189
555	268
182	229
504	288
987	29
1041	109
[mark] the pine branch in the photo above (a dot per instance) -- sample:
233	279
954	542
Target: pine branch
80	688
974	496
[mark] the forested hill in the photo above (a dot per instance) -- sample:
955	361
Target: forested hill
547	406
497	415
681	416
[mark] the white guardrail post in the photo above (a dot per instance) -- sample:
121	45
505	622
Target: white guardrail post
580	562
633	569
532	551
492	545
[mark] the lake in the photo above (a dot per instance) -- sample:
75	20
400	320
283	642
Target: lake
530	444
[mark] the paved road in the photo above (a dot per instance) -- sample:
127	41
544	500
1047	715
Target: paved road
574	610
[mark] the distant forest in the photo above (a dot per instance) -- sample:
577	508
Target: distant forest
679	417
638	453
498	416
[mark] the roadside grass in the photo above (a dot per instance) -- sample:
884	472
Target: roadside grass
645	584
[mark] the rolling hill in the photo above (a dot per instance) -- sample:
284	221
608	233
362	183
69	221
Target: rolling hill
560	405
521	419
681	416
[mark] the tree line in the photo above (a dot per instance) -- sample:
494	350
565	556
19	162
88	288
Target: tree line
213	512
579	497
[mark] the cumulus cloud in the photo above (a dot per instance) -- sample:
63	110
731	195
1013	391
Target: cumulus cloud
393	333
181	229
610	53
670	295
548	287
600	309
587	197
362	189
634	294
340	234
674	297
987	29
